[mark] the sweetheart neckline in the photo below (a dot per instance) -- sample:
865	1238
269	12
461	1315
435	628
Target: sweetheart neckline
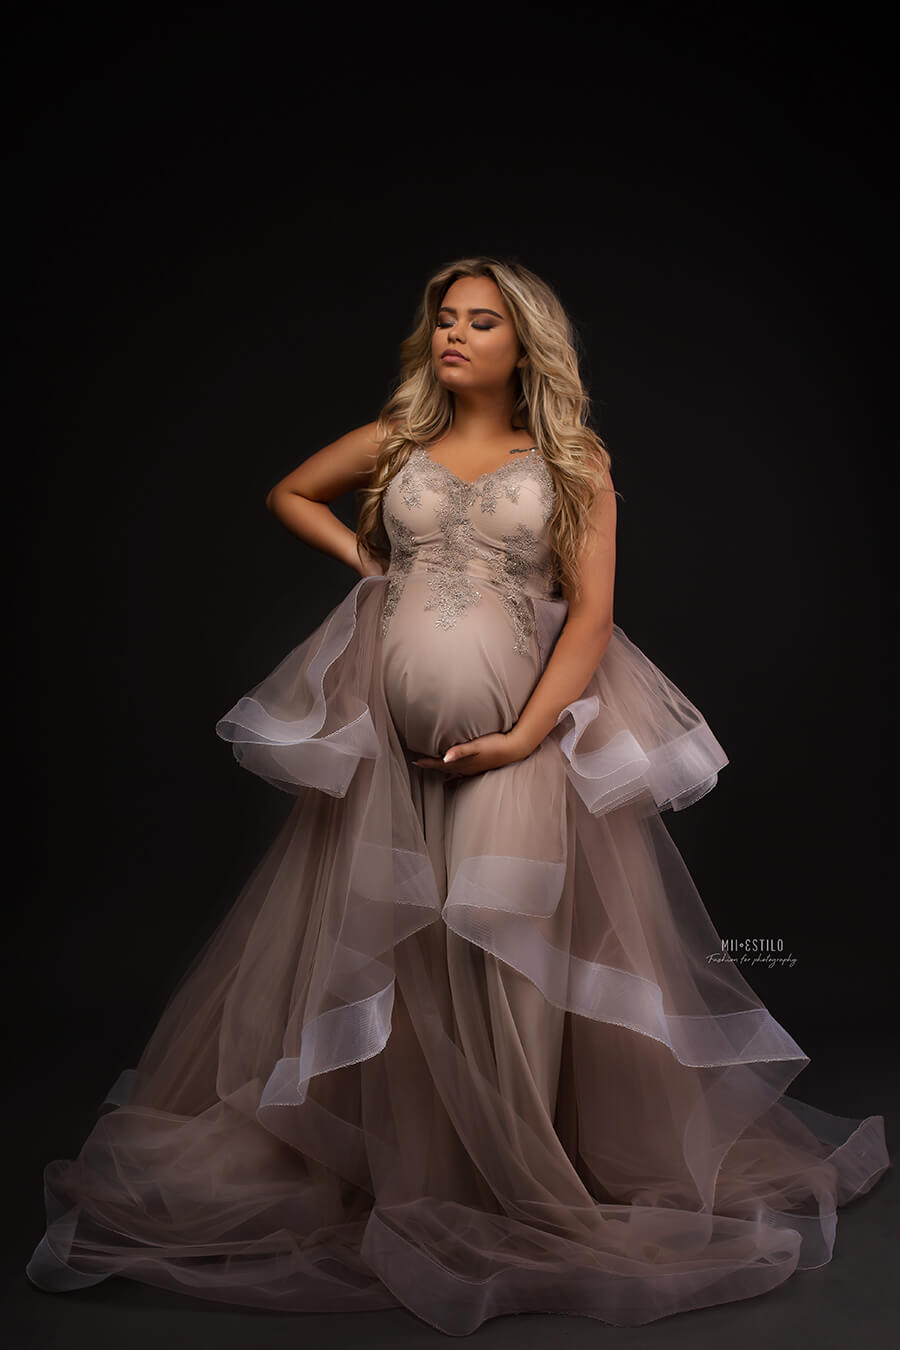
470	482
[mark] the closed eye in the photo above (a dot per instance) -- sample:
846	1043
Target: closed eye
484	326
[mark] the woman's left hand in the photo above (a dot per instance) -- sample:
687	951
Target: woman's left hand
471	757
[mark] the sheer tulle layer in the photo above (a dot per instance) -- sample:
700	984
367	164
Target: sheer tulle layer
462	1046
631	733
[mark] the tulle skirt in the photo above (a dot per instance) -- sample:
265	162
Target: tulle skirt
464	1046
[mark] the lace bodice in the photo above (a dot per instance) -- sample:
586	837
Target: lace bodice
490	533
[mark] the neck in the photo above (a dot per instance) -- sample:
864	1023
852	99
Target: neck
484	419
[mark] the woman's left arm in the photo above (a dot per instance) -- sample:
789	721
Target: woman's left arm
584	636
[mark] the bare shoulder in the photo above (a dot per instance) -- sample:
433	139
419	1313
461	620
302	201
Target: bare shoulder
341	466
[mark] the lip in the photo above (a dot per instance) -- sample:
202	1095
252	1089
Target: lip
454	356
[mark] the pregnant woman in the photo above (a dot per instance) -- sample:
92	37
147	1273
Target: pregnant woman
462	1044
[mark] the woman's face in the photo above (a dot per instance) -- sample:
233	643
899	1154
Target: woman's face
475	322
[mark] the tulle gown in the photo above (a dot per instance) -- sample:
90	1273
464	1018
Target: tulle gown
462	1046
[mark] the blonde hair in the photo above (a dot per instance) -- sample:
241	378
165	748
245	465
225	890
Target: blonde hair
551	402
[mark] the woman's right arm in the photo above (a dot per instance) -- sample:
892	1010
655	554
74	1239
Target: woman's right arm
299	500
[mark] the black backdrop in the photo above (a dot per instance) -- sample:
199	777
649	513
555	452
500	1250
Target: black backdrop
221	229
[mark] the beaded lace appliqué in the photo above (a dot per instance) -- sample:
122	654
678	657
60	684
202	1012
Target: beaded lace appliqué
403	552
518	561
453	589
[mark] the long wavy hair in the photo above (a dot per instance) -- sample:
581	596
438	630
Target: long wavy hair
551	402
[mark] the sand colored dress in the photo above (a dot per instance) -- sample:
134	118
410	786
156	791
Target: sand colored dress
463	1045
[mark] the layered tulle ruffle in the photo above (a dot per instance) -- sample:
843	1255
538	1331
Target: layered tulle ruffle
465	1046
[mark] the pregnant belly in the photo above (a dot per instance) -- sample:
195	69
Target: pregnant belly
446	685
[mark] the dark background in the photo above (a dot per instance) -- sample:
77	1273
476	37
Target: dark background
220	232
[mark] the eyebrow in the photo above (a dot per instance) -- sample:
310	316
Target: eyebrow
451	310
